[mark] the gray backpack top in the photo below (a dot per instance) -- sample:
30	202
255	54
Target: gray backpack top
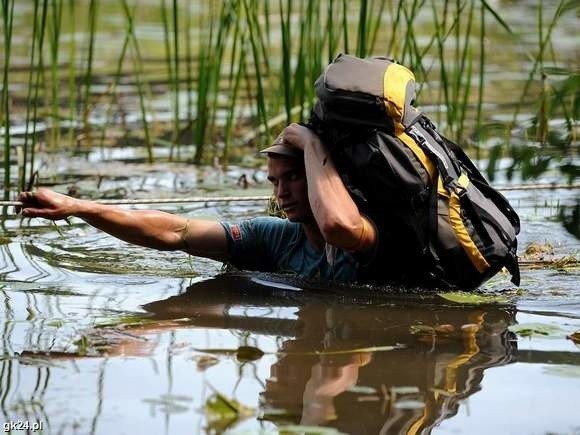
447	226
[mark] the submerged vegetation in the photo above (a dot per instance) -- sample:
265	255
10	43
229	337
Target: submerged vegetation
198	80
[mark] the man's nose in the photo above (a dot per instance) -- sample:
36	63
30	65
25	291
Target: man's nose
281	190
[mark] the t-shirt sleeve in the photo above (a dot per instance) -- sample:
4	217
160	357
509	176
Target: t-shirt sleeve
256	244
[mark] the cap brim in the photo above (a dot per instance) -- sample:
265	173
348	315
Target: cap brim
280	148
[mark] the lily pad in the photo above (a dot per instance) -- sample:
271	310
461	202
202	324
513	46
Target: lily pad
535	329
473	298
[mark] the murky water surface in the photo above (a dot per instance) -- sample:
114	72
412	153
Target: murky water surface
103	337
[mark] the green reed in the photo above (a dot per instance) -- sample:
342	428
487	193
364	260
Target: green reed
54	27
210	62
273	50
88	76
139	73
72	88
171	42
188	64
237	63
118	75
39	34
7	21
29	105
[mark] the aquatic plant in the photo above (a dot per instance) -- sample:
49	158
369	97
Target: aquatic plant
7	22
247	67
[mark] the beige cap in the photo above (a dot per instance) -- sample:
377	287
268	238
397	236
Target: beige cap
281	148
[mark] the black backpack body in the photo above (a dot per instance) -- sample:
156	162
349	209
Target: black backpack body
446	225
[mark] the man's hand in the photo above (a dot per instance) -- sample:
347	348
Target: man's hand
47	204
298	136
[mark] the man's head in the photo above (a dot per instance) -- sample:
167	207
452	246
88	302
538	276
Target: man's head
287	174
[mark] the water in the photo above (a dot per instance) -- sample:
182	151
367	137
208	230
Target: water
103	337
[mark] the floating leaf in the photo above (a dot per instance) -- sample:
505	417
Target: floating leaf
222	412
56	323
575	337
563	371
473	298
248	353
169	403
534	329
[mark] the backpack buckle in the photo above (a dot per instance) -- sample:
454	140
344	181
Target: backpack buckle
460	191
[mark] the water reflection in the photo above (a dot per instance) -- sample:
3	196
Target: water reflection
357	361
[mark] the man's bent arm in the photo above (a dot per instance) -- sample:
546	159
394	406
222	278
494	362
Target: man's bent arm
336	214
150	228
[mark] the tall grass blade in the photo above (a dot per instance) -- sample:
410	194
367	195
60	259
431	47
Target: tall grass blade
30	87
39	72
141	91
72	87
345	26
362	30
87	101
54	42
285	26
8	21
251	17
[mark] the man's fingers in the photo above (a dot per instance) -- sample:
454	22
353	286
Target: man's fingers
33	212
26	198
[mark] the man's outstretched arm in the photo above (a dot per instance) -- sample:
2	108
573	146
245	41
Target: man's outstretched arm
336	214
150	228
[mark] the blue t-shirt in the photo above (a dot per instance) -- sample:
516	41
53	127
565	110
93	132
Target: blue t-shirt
270	244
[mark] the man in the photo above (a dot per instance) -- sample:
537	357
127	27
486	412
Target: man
325	236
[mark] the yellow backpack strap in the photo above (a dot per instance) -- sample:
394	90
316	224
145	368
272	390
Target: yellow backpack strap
420	154
461	233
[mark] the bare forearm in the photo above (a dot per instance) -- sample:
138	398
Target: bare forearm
332	206
150	228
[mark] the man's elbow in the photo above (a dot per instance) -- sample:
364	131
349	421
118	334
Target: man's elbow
341	234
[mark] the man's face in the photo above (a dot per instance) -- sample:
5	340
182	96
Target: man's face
288	176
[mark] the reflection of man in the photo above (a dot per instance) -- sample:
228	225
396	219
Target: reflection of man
328	373
328	379
324	236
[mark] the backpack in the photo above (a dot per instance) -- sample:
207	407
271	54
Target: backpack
445	225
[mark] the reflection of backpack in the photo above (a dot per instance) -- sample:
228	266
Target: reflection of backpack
445	223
